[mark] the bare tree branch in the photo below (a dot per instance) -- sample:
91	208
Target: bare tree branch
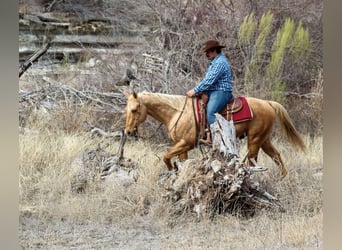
29	61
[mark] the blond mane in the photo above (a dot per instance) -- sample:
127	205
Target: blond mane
174	101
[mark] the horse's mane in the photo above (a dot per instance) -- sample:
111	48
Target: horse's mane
174	101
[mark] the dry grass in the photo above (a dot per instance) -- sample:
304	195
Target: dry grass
136	216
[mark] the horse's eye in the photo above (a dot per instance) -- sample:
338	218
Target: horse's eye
134	111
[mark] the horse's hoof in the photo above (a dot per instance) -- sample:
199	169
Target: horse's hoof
175	167
283	175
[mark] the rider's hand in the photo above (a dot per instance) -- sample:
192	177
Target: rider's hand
190	93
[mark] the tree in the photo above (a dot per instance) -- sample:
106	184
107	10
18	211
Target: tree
264	67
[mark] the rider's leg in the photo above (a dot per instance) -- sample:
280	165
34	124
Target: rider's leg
217	101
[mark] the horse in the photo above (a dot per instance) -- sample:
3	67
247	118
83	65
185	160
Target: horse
176	112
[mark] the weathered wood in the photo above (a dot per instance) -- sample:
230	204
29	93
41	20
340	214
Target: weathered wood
29	61
78	93
118	157
98	164
98	131
47	97
224	136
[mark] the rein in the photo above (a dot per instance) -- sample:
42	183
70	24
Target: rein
173	127
180	115
196	123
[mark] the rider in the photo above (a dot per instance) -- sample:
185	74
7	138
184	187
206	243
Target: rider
217	82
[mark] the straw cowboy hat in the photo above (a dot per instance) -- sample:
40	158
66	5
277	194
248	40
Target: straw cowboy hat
211	44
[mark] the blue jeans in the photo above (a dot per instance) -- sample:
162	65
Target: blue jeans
217	100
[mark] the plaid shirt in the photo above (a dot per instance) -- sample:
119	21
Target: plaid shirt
218	76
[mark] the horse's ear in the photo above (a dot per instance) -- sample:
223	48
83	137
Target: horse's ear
135	95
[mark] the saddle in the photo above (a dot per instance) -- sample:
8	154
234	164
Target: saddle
232	107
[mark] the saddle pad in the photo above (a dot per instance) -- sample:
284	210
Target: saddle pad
245	113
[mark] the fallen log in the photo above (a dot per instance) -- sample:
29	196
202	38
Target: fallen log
34	57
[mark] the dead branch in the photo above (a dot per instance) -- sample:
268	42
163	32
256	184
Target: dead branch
98	165
306	95
34	57
76	92
98	131
51	95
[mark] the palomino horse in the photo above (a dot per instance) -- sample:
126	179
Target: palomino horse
177	114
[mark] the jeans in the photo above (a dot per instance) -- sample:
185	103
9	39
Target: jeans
217	100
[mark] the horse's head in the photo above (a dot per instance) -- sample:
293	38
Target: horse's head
135	113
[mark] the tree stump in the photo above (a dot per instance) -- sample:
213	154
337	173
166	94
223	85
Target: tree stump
219	184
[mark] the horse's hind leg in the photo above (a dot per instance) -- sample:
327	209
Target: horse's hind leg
271	151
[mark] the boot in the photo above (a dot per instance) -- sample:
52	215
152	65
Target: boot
207	139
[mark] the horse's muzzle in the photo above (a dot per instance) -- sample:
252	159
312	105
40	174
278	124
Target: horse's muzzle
128	132
131	132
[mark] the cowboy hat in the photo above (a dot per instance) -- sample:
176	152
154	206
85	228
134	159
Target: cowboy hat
211	44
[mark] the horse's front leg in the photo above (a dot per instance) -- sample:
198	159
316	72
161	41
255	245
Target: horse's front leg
180	149
167	162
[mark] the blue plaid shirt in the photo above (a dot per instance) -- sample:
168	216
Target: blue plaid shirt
218	76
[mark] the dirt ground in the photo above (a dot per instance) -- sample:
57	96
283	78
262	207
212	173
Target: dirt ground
144	232
130	234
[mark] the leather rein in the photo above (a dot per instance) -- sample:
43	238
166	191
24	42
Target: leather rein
173	127
180	115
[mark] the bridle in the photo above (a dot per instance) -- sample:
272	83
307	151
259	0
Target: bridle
136	118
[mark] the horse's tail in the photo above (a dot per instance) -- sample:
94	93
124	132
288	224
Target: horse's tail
287	126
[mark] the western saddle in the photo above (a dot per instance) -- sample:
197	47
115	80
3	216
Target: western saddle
232	107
